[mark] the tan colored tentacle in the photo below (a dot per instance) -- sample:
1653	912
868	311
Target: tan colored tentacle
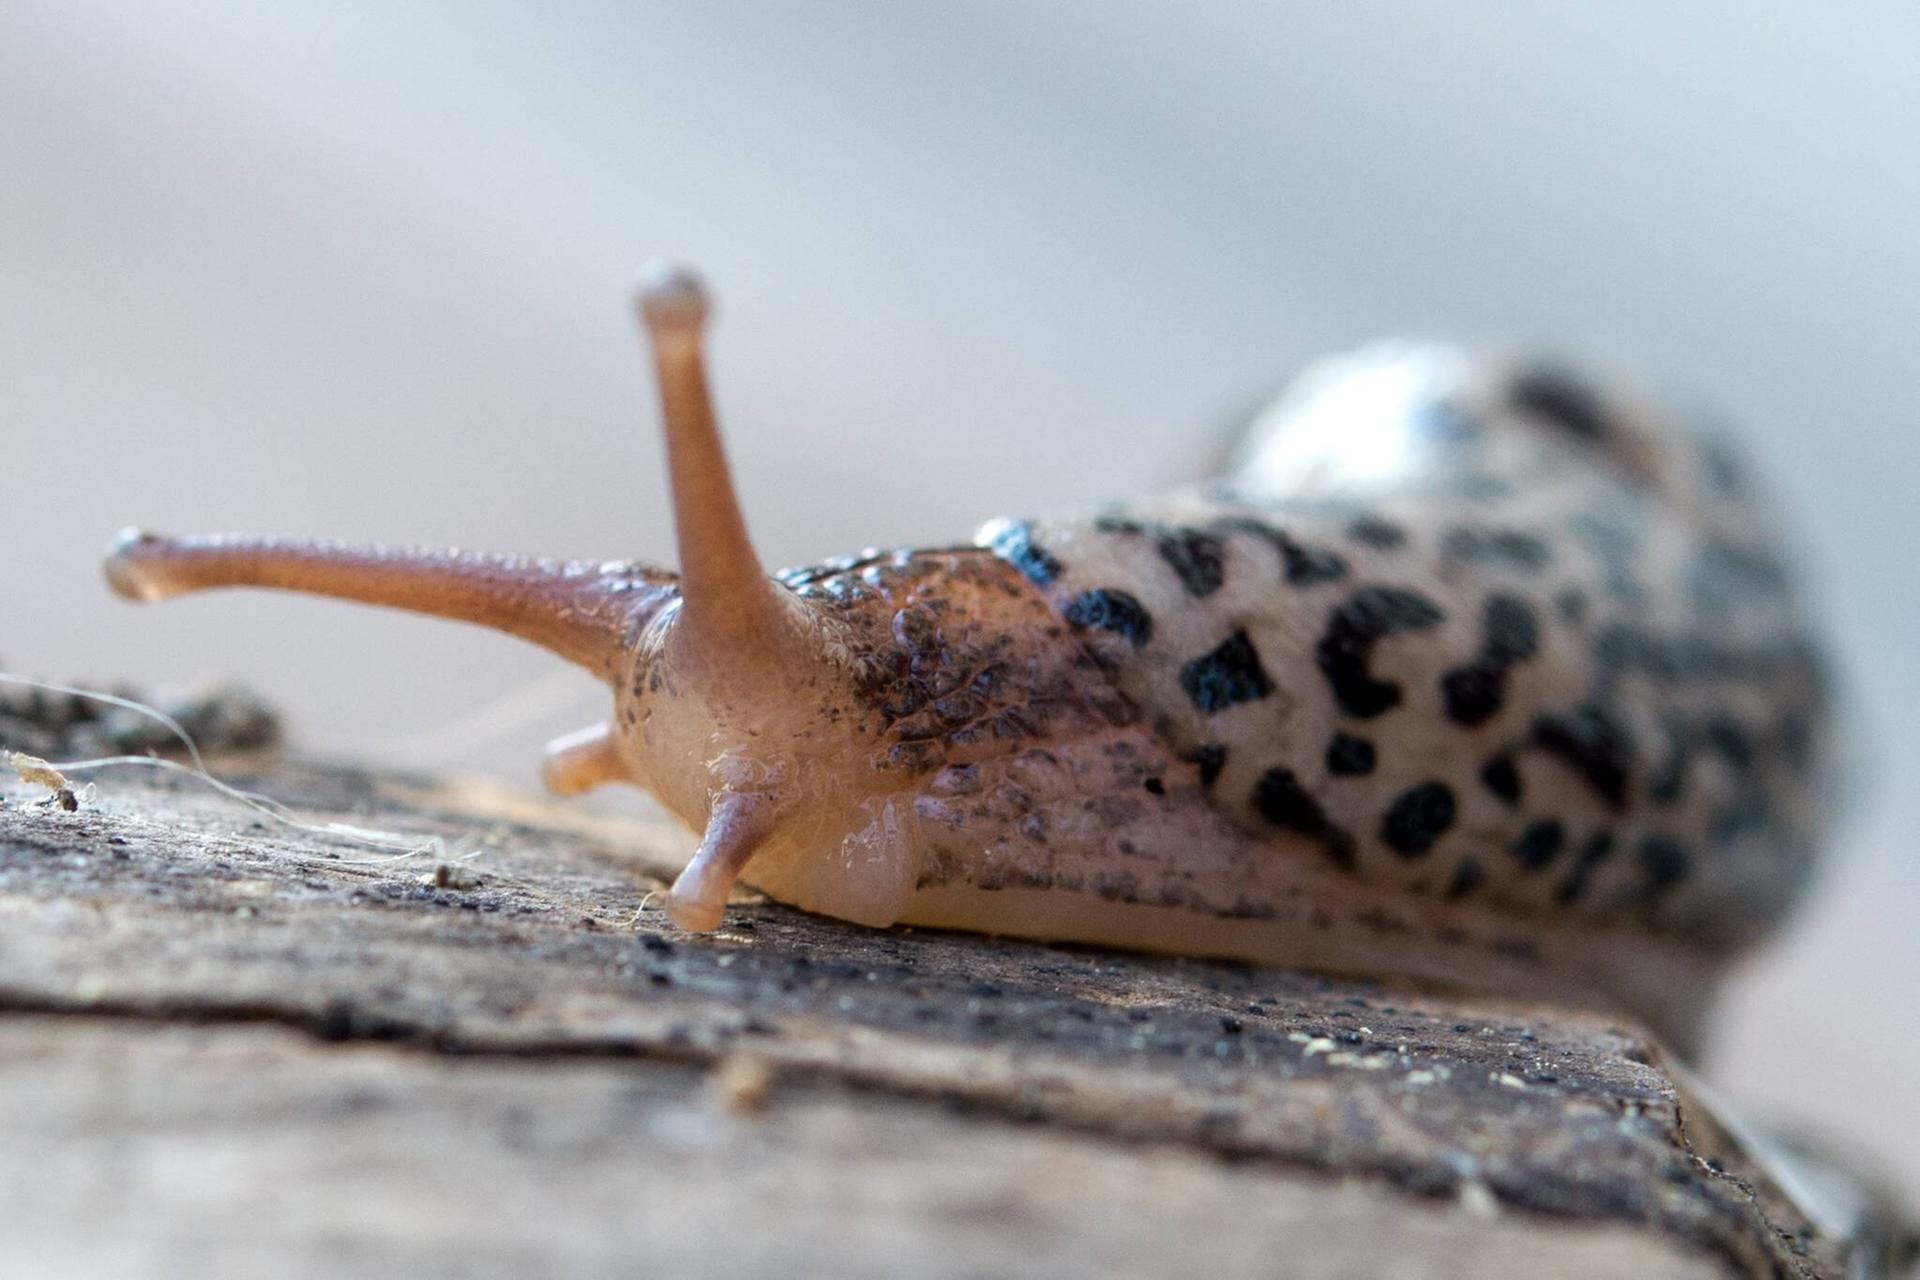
583	760
739	823
582	611
729	602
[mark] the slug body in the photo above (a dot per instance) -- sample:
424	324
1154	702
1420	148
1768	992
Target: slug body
1461	671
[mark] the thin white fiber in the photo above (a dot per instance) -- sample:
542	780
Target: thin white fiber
403	847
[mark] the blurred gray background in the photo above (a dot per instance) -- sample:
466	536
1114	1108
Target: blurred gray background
360	270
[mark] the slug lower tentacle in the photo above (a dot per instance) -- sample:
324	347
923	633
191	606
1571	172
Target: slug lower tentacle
1462	671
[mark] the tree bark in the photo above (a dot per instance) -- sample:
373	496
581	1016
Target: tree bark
231	1047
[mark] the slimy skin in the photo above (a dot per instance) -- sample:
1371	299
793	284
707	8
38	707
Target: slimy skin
1462	672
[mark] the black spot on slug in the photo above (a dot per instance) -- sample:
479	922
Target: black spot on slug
1381	535
1349	757
1726	575
1500	776
1621	646
1573	886
1474	693
1560	397
1571	605
1796	740
1015	544
1103	609
1668	782
1303	565
1467	877
1750	814
1230	674
1210	759
1691	657
1308	565
1345	649
1592	742
1198	559
1666	864
1281	800
1512	634
1730	740
1417	818
1539	844
1496	548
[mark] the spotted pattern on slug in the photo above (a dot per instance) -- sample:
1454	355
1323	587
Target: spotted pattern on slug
1463	671
1481	631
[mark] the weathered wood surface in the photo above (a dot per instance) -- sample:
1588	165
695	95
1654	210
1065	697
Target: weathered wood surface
231	1048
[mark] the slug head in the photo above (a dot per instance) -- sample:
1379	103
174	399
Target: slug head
740	711
737	703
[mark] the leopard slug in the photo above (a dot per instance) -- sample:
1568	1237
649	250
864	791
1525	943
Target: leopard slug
1463	670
